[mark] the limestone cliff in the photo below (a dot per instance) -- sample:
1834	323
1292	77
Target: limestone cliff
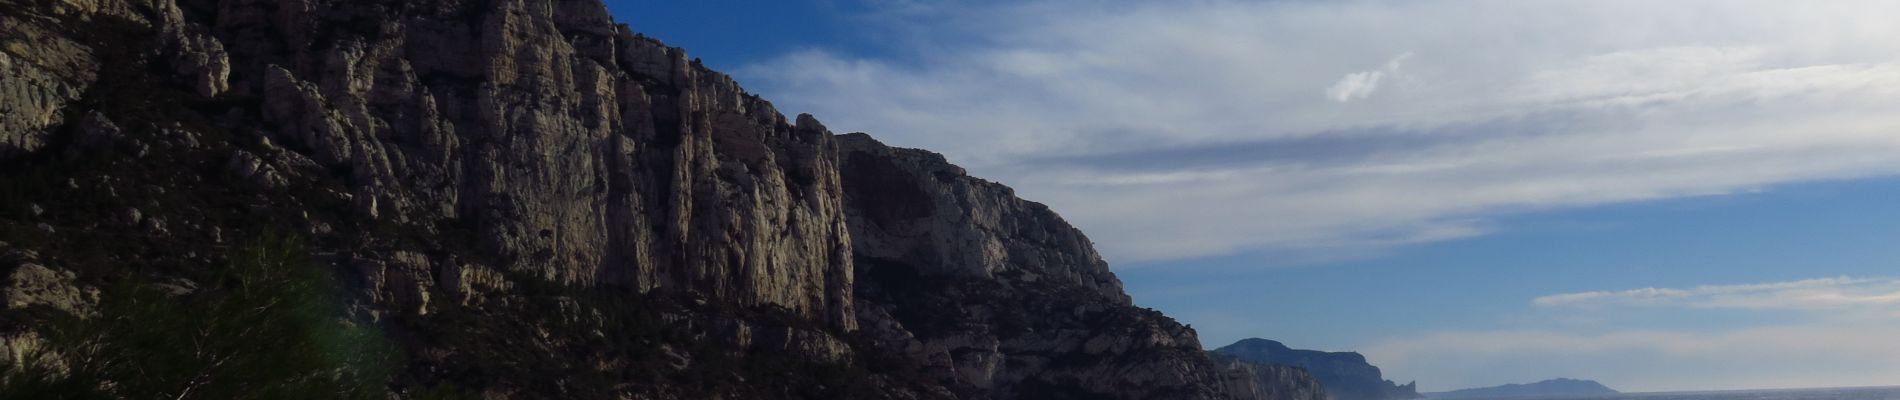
532	201
1248	379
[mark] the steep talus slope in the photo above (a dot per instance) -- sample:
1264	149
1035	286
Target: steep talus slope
531	201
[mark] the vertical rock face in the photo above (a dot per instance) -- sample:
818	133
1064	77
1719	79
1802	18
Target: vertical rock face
538	202
573	149
998	296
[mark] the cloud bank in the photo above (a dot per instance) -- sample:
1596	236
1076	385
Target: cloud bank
1841	335
1207	128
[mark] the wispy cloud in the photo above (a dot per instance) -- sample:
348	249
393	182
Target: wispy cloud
1358	85
1207	128
1811	294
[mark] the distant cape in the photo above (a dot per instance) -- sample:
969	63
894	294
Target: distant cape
1346	375
1560	387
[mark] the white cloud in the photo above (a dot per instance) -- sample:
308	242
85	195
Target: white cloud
1794	294
1821	294
1183	130
1633	295
1354	86
1358	85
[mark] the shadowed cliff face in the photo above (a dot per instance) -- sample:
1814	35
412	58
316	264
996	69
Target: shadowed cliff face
912	206
997	296
534	202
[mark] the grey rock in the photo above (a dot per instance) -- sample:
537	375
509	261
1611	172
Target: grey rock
35	285
97	131
176	287
403	280
248	167
155	225
466	283
45	70
200	58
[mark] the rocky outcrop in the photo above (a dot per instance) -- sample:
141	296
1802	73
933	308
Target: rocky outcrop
1346	375
536	202
1248	380
30	285
44	69
35	285
997	296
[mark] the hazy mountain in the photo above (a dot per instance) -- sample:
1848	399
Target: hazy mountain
1560	387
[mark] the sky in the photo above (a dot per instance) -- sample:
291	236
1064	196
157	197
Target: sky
1679	195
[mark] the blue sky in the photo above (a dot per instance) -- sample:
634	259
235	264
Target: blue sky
1658	195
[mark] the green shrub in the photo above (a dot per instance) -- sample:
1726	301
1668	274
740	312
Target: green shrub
36	377
268	326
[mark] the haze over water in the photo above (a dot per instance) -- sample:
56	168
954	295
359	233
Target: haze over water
1873	393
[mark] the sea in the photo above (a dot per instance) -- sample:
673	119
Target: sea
1860	393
